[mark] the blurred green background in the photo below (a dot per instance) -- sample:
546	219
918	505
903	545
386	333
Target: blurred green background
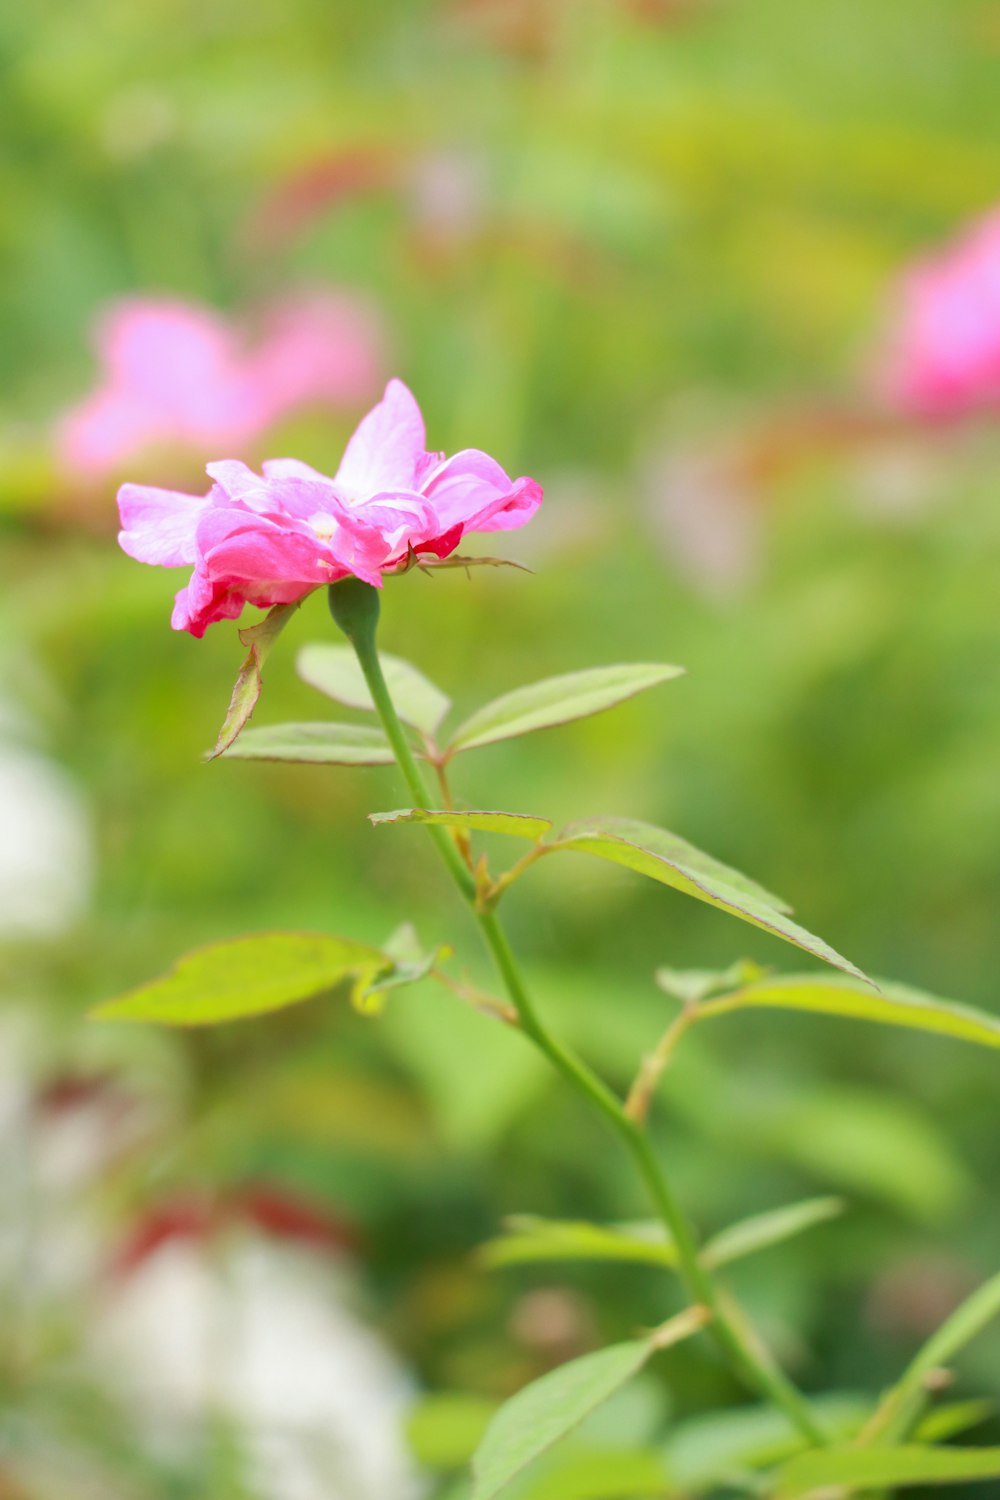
643	252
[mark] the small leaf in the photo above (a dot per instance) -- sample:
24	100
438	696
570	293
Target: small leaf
259	638
557	700
893	1004
315	744
884	1468
521	825
529	1423
529	1240
761	1231
710	1451
948	1421
335	671
545	1411
245	977
690	986
673	861
968	1320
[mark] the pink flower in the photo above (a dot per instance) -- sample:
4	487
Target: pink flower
944	350
176	374
274	538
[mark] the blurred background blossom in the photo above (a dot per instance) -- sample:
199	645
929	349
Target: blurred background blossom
725	279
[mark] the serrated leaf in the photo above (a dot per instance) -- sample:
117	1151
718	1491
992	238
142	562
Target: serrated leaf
529	1423
334	670
259	639
314	744
245	977
673	861
884	1468
557	700
520	825
761	1231
529	1240
892	1004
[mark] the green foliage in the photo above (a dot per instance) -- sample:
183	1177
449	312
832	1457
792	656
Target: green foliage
247	977
884	1468
557	700
545	1411
519	825
891	1004
314	744
334	671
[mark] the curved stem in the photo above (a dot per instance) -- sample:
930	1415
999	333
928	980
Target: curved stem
757	1372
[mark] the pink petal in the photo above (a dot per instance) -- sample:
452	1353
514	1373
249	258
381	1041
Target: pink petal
473	491
387	446
159	526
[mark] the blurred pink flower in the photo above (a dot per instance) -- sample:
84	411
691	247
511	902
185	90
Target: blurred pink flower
273	539
943	355
176	373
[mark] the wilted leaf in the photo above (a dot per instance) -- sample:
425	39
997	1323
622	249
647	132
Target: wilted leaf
557	700
520	825
334	670
245	977
259	638
892	1004
314	744
673	861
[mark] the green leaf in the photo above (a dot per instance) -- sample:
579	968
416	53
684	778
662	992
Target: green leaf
557	700
529	1423
704	1452
444	1429
673	861
529	1240
520	825
955	1417
545	1411
761	1231
965	1323
245	977
259	638
599	1474
315	744
884	1468
893	1004
334	670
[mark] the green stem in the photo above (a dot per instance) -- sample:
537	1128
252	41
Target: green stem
357	615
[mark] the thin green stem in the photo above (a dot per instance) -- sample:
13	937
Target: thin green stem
761	1374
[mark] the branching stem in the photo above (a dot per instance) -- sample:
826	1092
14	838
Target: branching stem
355	608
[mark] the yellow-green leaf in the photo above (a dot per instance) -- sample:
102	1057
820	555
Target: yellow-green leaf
884	1468
892	1004
529	1240
245	977
761	1231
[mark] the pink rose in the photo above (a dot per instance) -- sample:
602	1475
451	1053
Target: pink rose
271	539
176	374
944	348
